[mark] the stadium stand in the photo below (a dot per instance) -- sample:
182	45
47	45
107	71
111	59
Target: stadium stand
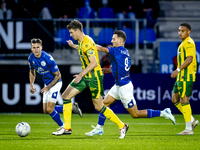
105	36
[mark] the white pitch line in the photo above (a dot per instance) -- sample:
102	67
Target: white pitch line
95	123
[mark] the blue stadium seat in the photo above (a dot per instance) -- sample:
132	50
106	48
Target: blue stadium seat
130	35
105	36
83	13
149	35
91	33
63	35
106	12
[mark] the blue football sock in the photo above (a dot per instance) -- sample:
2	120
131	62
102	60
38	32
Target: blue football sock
102	119
153	113
56	117
59	108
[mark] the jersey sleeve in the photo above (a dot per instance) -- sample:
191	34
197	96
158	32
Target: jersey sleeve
52	64
111	51
89	49
189	48
29	63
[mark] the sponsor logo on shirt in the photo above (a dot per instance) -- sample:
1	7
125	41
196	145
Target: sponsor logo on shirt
41	70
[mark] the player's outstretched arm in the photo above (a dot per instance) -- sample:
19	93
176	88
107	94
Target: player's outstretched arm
102	49
71	44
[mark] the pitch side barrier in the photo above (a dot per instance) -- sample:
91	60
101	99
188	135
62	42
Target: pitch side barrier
152	91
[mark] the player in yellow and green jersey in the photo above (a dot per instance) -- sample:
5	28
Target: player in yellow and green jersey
91	76
185	77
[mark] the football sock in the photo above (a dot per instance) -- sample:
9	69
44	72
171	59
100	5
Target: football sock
56	117
108	113
102	119
153	113
179	106
59	108
187	112
67	113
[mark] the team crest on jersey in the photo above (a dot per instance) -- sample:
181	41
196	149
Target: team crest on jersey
33	62
43	63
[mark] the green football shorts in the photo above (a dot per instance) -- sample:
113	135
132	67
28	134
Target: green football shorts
95	84
183	88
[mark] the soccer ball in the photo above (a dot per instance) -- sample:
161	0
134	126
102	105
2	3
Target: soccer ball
22	129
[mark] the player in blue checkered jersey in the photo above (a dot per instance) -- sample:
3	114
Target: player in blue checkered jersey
46	66
123	88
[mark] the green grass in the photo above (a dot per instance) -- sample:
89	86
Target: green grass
156	133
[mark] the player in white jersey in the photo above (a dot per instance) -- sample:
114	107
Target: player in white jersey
123	88
46	66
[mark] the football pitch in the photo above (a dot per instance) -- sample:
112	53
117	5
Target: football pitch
155	133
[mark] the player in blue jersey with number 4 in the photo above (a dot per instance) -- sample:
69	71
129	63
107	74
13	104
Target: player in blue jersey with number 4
123	88
46	66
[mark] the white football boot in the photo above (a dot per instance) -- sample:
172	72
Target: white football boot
194	124
62	131
96	131
76	109
186	132
123	131
168	115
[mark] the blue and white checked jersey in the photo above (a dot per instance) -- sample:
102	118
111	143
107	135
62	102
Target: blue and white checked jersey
45	66
120	64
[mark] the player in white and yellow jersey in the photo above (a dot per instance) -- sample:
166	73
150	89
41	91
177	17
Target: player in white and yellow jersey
185	77
91	76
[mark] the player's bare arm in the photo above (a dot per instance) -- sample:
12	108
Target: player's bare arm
186	63
57	77
71	44
32	80
102	49
90	67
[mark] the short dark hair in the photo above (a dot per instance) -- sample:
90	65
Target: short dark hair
121	34
187	25
36	40
75	24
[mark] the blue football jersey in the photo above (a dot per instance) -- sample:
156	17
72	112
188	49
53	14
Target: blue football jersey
120	64
45	66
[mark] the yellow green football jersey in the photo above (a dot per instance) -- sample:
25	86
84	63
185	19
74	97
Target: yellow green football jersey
86	49
185	49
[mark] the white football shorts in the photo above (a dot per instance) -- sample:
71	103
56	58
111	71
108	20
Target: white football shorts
125	93
53	94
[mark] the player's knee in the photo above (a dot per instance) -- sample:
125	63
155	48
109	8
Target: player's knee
45	111
97	107
107	104
49	110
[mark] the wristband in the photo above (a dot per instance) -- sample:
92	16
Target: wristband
178	69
